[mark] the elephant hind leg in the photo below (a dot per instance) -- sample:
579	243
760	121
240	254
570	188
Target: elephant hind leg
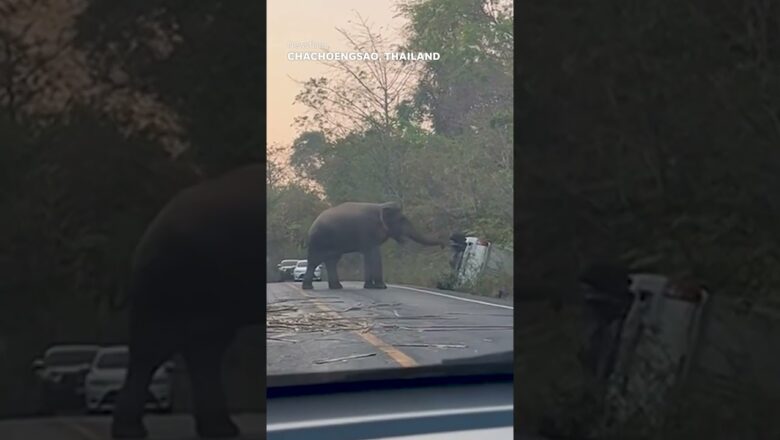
372	262
331	265
148	349
313	260
204	358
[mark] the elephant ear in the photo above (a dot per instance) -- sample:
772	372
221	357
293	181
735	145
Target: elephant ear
390	214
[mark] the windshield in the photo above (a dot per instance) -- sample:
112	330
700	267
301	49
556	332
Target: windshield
64	358
375	206
288	262
113	360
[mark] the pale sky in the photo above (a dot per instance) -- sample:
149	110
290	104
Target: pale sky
311	21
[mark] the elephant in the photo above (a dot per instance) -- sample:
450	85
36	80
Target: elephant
358	227
197	277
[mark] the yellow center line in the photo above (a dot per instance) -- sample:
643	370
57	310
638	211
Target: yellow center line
395	354
85	432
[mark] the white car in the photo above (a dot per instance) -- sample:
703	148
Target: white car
107	375
61	373
300	271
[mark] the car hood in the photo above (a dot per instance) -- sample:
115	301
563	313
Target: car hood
64	369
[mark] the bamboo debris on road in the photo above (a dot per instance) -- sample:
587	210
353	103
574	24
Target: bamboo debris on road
345	358
292	320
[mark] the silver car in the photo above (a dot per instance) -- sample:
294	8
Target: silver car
285	269
300	271
107	375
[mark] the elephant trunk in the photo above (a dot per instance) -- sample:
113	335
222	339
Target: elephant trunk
423	239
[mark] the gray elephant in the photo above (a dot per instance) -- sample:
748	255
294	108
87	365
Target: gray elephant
358	227
197	278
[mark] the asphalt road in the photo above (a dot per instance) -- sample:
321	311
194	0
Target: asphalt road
402	326
162	427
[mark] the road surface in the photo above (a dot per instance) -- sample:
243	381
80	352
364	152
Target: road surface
162	427
402	326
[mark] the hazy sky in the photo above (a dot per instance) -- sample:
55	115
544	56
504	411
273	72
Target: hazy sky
310	21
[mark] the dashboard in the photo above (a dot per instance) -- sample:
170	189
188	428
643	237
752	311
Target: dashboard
463	407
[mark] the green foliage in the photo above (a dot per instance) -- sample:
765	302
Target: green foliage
308	149
649	135
474	38
291	211
203	60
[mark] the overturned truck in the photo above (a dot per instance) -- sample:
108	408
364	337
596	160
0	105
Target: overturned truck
683	353
478	262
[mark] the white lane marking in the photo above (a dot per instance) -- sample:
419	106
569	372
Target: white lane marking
454	297
506	433
383	417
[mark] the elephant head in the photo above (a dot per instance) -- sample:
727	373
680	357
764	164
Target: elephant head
399	227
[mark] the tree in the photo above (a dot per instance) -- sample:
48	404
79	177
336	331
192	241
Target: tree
46	76
474	38
308	150
156	43
361	95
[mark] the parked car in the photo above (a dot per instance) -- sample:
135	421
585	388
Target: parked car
106	377
61	371
285	269
300	271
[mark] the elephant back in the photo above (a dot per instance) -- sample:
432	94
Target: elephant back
354	223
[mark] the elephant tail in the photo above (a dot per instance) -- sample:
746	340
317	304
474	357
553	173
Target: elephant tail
121	295
119	299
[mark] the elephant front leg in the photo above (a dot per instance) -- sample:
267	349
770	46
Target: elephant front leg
372	262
